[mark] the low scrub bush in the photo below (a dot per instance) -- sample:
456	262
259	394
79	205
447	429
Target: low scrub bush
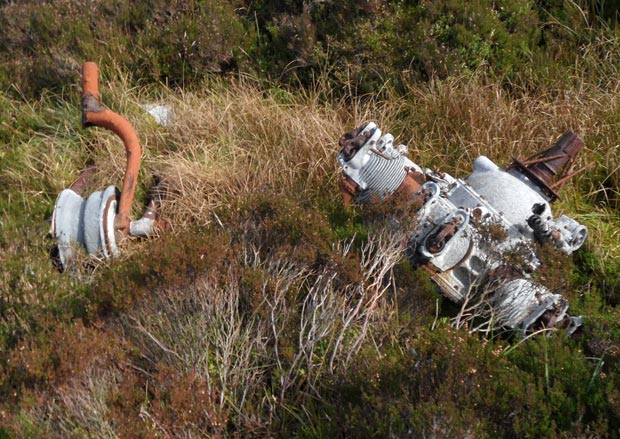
354	47
179	43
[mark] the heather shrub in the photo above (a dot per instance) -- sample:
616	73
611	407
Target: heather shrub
260	320
363	46
44	45
268	308
175	259
448	383
351	46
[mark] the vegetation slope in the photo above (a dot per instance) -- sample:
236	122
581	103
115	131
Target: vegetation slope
269	309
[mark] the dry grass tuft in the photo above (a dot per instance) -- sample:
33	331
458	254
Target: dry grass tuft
233	142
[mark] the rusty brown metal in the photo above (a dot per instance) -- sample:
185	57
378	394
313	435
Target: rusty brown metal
530	162
543	167
352	141
348	189
151	211
80	183
94	114
558	157
437	241
411	184
558	184
410	187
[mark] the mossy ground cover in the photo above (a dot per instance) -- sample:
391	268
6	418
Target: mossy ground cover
268	308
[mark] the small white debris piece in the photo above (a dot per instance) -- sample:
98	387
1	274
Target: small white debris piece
162	114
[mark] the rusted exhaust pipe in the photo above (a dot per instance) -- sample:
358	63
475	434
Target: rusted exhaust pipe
100	221
94	114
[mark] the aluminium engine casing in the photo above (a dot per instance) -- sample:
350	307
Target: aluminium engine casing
465	228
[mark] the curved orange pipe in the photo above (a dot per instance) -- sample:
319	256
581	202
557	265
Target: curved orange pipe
93	113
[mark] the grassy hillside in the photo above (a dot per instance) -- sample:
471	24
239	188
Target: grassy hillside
270	310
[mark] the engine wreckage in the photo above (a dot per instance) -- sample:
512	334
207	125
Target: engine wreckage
464	229
462	233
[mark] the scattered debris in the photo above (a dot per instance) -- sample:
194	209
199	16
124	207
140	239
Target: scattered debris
162	114
101	221
465	229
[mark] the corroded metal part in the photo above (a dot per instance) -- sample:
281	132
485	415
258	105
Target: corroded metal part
374	167
80	183
98	223
107	215
543	167
521	303
555	160
66	223
94	114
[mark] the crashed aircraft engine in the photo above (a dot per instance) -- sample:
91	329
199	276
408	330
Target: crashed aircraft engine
464	228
